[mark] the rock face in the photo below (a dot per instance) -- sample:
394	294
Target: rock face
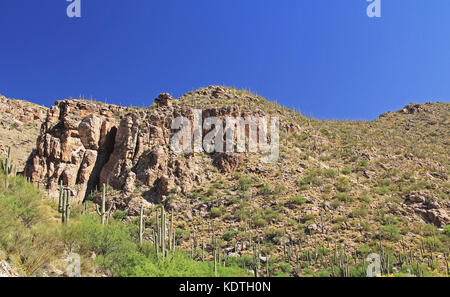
85	145
412	109
432	211
20	123
228	162
75	142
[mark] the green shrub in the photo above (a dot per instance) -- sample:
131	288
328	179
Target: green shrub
216	212
447	230
273	235
259	220
330	173
346	171
343	184
360	212
119	215
229	235
265	190
244	183
364	250
344	197
26	233
297	200
390	232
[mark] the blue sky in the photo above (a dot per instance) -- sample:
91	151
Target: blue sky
324	57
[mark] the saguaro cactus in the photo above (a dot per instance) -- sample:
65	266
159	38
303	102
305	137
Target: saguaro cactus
141	226
103	213
163	232
8	168
256	259
164	237
64	204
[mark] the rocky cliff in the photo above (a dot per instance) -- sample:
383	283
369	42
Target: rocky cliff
84	145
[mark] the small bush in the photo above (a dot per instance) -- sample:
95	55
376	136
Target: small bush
229	235
297	200
346	171
265	190
390	232
330	173
447	230
216	212
119	215
343	184
244	183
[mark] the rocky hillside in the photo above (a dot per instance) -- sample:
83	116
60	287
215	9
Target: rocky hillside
20	123
355	185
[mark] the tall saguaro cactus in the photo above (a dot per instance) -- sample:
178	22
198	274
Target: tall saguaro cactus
8	168
256	262
163	232
103	213
164	237
141	226
64	204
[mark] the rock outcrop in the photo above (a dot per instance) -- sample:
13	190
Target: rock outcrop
75	142
85	145
432	211
20	123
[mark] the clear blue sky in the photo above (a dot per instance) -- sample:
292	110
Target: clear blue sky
325	57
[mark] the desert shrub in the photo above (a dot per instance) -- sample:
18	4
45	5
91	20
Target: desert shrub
382	190
343	184
297	200
273	235
265	190
216	212
259	220
181	235
244	183
279	189
308	218
285	267
119	215
211	191
390	232
365	199
364	250
271	214
344	197
447	230
112	244
25	233
346	171
330	173
387	219
229	235
360	212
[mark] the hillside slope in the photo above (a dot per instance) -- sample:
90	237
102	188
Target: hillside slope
338	187
20	123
